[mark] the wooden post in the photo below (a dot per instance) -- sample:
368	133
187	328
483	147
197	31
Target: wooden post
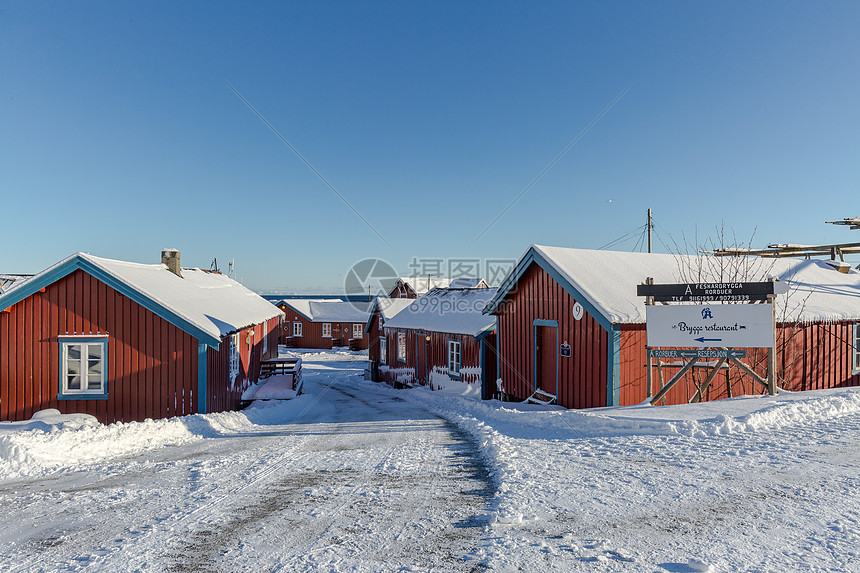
771	357
665	390
728	383
649	300
648	382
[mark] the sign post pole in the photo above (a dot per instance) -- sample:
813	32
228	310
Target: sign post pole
649	382
771	357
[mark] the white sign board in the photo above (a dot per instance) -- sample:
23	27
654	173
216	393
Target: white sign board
704	326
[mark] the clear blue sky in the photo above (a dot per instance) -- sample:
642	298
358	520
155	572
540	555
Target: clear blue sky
120	135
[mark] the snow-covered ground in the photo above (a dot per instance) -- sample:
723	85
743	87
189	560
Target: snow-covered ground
356	476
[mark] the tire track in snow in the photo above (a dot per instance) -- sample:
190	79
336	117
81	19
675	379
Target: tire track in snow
89	538
326	517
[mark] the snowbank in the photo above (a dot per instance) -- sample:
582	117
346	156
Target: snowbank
53	442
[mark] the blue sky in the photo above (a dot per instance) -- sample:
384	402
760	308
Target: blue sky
121	134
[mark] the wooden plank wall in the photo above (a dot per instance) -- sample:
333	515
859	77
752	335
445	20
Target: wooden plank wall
152	365
223	395
372	338
312	332
809	357
436	353
583	376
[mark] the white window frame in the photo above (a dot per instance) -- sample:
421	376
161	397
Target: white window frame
383	350
235	361
297	328
326	330
265	339
856	353
455	358
357	330
84	392
401	346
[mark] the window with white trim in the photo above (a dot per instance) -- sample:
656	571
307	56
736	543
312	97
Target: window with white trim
856	348
383	350
297	329
326	330
234	357
357	330
454	358
265	339
83	372
401	346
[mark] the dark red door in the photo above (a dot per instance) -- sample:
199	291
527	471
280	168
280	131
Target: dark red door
546	358
420	358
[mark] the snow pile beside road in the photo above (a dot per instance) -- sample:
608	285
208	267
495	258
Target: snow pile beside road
634	487
54	442
734	415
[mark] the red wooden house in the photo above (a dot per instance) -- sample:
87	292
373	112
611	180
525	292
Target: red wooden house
321	323
128	341
413	287
382	310
440	336
586	301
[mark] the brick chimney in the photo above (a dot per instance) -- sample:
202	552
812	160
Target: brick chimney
170	257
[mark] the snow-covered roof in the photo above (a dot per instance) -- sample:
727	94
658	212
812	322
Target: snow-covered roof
422	285
303	305
8	280
388	308
606	281
201	302
328	310
468	283
456	311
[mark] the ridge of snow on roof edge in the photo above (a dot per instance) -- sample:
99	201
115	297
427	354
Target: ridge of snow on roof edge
470	322
207	326
19	284
612	317
827	295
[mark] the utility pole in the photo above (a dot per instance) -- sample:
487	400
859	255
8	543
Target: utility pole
650	226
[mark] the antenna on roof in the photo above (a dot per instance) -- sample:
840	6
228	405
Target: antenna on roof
214	265
231	268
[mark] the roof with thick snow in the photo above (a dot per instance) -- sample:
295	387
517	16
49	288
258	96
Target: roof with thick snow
422	285
468	283
388	308
328	310
205	304
456	311
8	280
303	305
605	281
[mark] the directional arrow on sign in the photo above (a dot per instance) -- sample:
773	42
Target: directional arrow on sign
703	340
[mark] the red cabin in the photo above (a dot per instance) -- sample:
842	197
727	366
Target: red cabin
321	323
382	310
586	301
128	341
413	287
440	336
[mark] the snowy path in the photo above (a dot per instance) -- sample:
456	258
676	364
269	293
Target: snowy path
360	481
356	476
